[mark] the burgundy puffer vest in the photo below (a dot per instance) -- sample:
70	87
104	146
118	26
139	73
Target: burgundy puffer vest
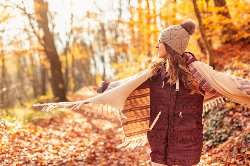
176	138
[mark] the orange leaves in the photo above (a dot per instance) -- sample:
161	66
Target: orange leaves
233	57
68	140
235	148
76	140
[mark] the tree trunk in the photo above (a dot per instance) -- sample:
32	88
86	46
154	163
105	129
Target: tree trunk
201	46
66	51
34	77
116	29
91	51
140	26
73	68
132	27
103	48
203	34
155	24
41	10
84	66
148	30
2	83
42	78
20	81
66	74
43	81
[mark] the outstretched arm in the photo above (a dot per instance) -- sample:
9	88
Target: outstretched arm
219	84
106	85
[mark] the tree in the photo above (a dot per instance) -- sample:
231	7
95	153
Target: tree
3	77
4	86
203	34
41	10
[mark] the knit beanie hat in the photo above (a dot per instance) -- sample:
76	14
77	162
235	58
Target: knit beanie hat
177	36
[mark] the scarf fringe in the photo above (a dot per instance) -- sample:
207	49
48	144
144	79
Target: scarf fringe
213	103
132	143
92	109
102	110
219	101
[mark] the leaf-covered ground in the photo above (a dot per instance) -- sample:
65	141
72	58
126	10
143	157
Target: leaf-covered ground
66	140
73	139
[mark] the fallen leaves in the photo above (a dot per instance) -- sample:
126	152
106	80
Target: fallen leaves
65	140
76	140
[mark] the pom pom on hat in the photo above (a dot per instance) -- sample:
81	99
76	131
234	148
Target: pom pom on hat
189	25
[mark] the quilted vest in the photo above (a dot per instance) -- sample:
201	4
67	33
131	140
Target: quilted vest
176	138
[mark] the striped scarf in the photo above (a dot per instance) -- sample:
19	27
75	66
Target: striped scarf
132	106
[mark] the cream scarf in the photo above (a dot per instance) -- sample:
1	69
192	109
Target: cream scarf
111	103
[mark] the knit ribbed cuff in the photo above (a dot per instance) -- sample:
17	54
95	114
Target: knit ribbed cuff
104	85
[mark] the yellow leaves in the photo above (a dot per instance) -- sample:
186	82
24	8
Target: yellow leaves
79	50
98	79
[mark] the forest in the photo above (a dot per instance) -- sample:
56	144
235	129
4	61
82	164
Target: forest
55	51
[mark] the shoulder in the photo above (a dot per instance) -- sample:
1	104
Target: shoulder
189	57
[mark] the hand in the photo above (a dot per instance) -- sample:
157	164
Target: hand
95	88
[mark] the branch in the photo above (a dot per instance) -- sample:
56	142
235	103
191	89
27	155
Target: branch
29	16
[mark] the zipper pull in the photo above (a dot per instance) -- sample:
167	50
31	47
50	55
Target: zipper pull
163	83
177	86
180	114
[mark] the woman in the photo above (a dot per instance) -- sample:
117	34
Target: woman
176	138
163	105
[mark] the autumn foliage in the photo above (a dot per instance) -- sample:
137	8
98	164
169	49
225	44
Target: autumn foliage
53	50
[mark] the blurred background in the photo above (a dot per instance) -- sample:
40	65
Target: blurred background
57	50
57	47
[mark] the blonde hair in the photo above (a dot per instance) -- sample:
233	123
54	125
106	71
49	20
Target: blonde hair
176	68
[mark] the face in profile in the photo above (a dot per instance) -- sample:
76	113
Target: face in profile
162	52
